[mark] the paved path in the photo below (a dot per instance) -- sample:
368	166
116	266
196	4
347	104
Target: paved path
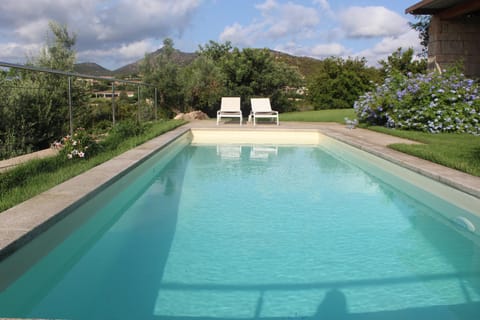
11	163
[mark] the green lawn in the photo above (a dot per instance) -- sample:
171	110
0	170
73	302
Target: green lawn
36	176
457	151
334	115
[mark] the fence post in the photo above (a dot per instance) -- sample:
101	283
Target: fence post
156	111
113	103
138	104
70	104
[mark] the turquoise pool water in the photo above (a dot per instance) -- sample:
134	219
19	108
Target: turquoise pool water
244	232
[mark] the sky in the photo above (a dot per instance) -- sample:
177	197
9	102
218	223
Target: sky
114	33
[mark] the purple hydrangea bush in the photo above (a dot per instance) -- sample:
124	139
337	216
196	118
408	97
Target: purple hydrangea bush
433	102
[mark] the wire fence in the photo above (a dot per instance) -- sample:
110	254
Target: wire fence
38	105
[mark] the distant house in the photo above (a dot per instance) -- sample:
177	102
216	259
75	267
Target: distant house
454	33
110	94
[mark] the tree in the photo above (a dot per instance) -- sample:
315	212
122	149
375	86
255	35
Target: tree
163	72
255	73
203	83
59	54
403	62
215	51
338	83
36	110
422	25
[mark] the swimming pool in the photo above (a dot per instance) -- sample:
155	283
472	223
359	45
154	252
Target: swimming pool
251	231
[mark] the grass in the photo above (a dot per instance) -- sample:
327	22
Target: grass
37	176
457	151
333	115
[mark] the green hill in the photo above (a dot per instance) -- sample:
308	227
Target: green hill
91	68
306	66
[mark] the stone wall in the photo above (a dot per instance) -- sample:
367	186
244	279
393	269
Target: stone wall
454	40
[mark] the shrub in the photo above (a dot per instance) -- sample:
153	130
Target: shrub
122	131
339	82
81	145
434	103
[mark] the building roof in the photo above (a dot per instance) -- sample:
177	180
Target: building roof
445	8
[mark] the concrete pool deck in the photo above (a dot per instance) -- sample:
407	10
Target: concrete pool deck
20	224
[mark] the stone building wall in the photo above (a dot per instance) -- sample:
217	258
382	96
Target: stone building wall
454	40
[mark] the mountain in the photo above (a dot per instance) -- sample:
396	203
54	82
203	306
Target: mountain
92	68
306	66
179	57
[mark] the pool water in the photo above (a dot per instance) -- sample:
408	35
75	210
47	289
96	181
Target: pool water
243	232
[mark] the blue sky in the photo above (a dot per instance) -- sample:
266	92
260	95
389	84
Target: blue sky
117	32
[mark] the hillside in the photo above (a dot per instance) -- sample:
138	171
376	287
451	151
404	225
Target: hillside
306	66
179	57
92	68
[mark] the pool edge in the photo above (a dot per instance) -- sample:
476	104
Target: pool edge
17	227
23	222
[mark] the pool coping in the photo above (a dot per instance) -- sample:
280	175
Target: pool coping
20	224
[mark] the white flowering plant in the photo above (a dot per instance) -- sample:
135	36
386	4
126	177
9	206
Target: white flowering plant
447	102
78	146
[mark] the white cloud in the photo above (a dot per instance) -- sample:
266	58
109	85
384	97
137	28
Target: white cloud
325	6
240	35
291	19
365	22
120	55
279	21
15	53
318	51
267	5
33	31
328	50
99	24
390	44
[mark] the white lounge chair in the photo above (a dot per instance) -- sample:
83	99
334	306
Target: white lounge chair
229	108
261	109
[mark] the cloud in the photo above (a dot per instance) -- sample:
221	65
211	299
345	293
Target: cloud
15	53
129	20
279	21
291	19
328	50
240	35
367	22
390	44
325	6
318	51
120	55
100	25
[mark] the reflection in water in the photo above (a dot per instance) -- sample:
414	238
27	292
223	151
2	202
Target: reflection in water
255	152
229	151
263	152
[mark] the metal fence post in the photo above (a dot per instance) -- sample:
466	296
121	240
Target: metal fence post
156	111
113	103
70	104
138	104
